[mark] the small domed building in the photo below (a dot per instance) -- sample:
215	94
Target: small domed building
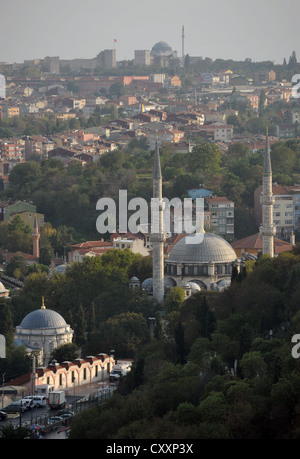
43	330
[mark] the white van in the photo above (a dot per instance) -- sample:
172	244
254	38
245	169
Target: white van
37	400
44	389
26	402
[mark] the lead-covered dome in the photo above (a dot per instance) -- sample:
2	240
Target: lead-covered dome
43	318
161	48
211	249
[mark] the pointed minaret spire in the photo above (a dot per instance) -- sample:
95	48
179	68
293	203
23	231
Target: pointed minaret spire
157	168
267	229
267	156
157	237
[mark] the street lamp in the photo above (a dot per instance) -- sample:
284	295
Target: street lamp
74	403
3	379
112	352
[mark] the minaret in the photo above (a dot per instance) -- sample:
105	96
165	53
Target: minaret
35	239
158	238
267	229
182	38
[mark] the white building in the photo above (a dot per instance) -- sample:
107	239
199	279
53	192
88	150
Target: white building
221	215
135	245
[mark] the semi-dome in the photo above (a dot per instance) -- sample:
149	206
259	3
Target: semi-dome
43	318
194	286
4	293
211	249
161	48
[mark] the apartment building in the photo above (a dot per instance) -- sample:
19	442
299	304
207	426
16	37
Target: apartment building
142	57
9	111
11	150
286	209
216	132
221	215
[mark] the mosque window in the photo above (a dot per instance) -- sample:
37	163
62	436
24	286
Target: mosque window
200	270
190	270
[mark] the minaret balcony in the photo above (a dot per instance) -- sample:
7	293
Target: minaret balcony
157	237
267	230
267	200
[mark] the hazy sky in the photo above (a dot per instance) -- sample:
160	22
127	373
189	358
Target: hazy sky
227	29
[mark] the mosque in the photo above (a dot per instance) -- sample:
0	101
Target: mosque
208	264
43	330
162	53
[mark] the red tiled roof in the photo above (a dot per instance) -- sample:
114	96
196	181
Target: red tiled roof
91	245
218	199
255	242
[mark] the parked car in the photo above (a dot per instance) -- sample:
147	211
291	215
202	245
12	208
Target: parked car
38	400
66	415
65	412
54	419
27	402
3	415
15	407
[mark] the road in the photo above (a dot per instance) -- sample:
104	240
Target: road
75	402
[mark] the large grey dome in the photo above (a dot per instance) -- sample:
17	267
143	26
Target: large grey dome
43	318
161	48
212	249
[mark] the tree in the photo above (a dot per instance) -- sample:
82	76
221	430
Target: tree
80	328
293	59
262	100
213	408
65	352
174	299
183	183
283	159
180	343
6	322
206	159
253	365
126	333
17	224
24	178
16	267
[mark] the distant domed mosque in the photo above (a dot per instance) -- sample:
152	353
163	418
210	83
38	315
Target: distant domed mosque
43	330
161	53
